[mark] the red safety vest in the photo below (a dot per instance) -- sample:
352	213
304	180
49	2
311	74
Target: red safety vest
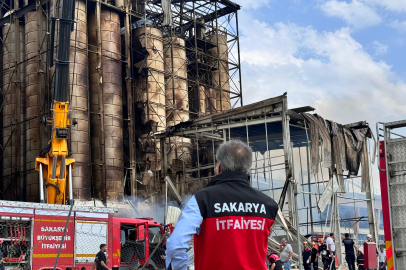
236	223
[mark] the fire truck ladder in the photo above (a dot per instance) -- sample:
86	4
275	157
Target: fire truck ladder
395	156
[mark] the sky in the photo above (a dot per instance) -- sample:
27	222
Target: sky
344	58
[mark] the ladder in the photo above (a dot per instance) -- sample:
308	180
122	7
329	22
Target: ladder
392	166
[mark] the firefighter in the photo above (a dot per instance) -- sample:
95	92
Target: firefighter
230	221
315	256
369	239
307	256
360	260
349	251
100	261
323	252
274	261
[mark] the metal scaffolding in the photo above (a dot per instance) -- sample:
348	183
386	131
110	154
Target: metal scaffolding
132	73
280	139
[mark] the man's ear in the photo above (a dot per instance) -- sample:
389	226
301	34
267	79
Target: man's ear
218	167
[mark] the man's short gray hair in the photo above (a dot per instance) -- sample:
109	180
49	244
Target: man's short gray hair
284	240
235	156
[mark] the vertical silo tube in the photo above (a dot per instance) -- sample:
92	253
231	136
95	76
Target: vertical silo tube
95	116
220	77
33	101
12	116
112	127
210	101
177	97
176	90
151	90
79	100
22	115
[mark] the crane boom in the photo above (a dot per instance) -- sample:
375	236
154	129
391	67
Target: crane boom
54	163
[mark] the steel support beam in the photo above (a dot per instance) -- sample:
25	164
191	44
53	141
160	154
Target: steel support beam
371	212
17	113
287	153
100	96
128	80
337	229
225	126
41	69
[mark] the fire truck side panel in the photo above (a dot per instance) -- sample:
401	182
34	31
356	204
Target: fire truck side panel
48	232
11	215
91	230
88	237
44	229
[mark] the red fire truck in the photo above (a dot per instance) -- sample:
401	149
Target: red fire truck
392	172
32	236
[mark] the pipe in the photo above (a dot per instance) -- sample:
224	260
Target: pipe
297	222
71	201
166	201
41	185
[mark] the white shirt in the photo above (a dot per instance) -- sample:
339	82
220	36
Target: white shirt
330	241
382	256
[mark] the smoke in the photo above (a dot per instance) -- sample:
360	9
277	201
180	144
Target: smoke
154	207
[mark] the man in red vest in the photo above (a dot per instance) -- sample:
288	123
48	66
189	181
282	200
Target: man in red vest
229	219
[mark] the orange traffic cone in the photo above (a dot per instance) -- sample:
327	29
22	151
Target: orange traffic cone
336	261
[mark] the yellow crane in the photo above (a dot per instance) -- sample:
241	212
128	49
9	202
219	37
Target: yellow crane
54	164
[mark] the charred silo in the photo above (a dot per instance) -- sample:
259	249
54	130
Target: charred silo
177	96
35	57
13	110
150	88
79	105
220	76
150	83
210	101
105	80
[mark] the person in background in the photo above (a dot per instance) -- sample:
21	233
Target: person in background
274	261
323	253
332	251
349	251
360	260
101	260
1	255
286	253
307	256
382	258
385	264
315	257
369	239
